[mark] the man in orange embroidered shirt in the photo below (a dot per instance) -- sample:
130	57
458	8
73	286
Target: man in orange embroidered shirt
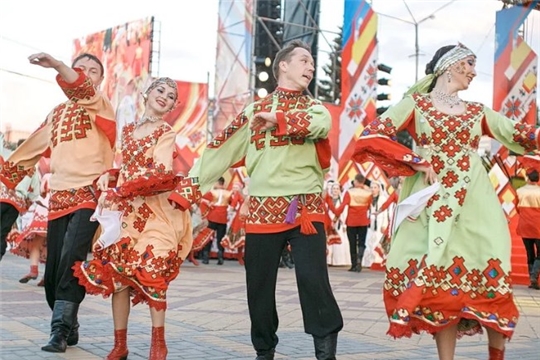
358	199
218	200
78	136
528	225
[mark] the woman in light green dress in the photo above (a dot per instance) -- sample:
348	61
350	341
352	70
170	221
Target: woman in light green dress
448	270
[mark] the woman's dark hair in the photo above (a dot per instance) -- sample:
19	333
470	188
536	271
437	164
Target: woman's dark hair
430	66
91	57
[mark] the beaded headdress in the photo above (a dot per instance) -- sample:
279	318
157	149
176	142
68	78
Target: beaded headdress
163	80
458	52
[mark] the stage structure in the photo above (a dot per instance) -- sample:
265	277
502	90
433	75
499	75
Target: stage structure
301	21
514	95
126	53
233	62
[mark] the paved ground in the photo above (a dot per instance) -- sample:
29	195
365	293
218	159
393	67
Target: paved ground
208	319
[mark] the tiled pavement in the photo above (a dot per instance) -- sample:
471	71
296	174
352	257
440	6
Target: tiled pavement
208	319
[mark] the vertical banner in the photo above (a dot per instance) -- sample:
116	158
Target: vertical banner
359	86
514	90
189	119
514	95
233	61
125	51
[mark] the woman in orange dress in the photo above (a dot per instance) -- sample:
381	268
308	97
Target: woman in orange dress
155	237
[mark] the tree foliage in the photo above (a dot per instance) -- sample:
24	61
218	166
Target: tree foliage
329	87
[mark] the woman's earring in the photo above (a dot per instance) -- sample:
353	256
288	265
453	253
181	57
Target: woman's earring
449	75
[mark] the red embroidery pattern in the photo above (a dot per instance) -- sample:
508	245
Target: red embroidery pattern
437	163
85	91
298	123
450	179
70	121
454	283
432	200
460	195
442	213
381	127
62	200
188	189
464	163
12	197
104	276
230	130
273	210
525	135
12	174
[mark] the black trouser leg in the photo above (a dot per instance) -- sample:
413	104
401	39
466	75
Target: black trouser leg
362	234
69	239
535	272
529	250
8	216
353	246
56	231
320	311
262	254
77	245
221	230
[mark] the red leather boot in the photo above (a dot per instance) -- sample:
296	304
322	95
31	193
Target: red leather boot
496	354
120	350
158	348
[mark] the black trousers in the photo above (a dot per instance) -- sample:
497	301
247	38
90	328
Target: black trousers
8	216
69	239
320	310
221	230
357	242
532	248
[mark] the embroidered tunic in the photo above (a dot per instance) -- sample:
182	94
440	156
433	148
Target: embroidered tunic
451	265
282	163
155	237
78	136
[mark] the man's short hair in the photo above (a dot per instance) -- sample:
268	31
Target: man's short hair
221	181
360	178
533	176
91	57
285	54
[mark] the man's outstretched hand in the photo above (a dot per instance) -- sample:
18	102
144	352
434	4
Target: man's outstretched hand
44	60
263	121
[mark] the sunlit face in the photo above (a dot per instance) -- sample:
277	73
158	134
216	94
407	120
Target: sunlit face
161	99
336	190
91	69
375	188
297	73
463	72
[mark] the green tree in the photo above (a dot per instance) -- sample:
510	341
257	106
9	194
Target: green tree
329	87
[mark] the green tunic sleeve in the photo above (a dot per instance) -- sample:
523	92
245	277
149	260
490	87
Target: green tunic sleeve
311	123
516	136
223	152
